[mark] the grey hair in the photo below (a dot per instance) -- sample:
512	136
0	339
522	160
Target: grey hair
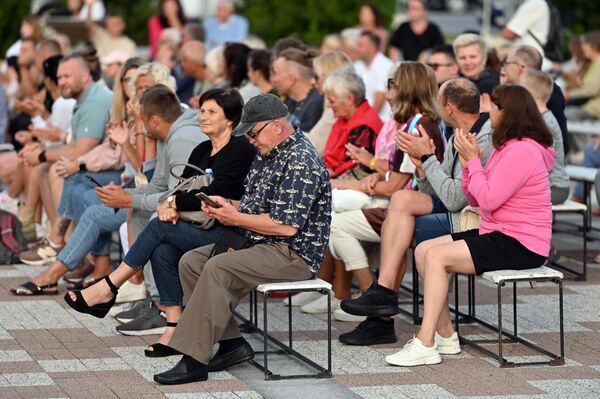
467	39
344	82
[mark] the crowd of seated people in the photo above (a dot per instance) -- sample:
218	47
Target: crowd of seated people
222	164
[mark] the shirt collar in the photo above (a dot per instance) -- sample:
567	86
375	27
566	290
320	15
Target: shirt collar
284	145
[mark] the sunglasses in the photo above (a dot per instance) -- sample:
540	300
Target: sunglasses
435	66
254	135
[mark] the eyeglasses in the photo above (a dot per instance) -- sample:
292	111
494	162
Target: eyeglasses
390	84
254	135
505	62
435	66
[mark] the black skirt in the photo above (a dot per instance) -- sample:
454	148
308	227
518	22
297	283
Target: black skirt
497	251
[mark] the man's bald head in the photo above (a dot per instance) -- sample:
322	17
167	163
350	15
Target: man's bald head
461	93
192	57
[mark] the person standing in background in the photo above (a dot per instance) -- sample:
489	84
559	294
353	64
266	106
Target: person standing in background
415	35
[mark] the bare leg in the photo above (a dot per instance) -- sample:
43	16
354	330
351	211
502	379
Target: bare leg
342	281
173	314
327	268
16	185
101	293
397	232
439	260
102	267
33	188
364	277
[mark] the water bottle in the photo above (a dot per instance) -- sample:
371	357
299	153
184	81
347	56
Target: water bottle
209	173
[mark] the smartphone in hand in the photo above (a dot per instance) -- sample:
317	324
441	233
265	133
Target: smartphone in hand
205	198
90	178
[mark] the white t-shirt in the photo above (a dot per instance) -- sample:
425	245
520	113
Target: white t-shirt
98	11
533	16
61	115
375	77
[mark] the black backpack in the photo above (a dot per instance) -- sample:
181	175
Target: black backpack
554	47
12	241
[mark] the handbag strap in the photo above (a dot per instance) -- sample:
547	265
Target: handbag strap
185	165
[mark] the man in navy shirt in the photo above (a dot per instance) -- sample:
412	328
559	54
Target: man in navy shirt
284	218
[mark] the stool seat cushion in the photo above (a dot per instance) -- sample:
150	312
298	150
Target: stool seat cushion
526	274
582	173
313	284
569	206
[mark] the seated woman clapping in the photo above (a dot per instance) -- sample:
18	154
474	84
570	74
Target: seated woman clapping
512	194
166	238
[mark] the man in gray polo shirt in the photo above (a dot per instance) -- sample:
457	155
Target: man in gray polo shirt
89	119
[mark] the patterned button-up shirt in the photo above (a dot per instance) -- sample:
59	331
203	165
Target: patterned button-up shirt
292	186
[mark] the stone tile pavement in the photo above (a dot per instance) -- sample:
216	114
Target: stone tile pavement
49	351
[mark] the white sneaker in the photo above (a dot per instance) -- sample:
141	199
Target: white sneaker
303	298
448	346
115	310
415	353
340	315
131	292
319	306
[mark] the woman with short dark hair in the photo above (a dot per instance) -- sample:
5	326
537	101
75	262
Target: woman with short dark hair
166	238
512	194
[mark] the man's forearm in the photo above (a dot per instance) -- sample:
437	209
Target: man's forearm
263	224
67	151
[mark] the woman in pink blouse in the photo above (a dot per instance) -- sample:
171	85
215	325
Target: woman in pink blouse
512	194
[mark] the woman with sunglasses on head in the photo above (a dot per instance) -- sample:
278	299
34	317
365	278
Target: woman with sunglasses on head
167	238
512	194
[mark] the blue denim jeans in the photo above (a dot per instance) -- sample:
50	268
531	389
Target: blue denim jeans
431	226
164	244
92	234
591	159
75	185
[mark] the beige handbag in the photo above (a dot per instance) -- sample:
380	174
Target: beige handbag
197	218
469	219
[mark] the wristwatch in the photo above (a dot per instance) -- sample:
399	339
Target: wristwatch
82	167
170	200
425	157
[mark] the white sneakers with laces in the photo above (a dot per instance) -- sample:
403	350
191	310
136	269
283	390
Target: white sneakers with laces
415	353
448	346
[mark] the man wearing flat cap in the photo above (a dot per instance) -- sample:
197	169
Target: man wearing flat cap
283	220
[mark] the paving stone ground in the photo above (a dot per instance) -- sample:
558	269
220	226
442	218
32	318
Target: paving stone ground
49	351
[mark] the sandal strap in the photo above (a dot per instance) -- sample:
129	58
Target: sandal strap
31	286
171	324
113	287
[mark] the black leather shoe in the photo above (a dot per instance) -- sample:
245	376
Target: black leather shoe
377	301
185	371
240	354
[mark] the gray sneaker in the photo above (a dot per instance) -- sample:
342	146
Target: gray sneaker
134	311
149	322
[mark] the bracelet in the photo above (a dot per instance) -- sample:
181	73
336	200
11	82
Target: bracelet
372	163
42	157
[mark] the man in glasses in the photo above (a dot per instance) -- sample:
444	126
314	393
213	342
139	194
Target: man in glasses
514	66
284	218
443	63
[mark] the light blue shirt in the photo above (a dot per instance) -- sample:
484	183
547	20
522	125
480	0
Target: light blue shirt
234	30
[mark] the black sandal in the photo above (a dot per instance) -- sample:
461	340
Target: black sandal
31	289
100	310
162	350
85	283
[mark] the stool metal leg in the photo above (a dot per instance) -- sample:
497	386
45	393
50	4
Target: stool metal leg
500	357
415	283
329	331
290	319
561	321
265	334
515	307
585	231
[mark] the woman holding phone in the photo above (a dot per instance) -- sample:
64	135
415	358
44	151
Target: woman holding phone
166	238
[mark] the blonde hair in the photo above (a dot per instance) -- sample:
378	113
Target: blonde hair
416	90
538	83
215	63
467	39
118	111
160	73
325	64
